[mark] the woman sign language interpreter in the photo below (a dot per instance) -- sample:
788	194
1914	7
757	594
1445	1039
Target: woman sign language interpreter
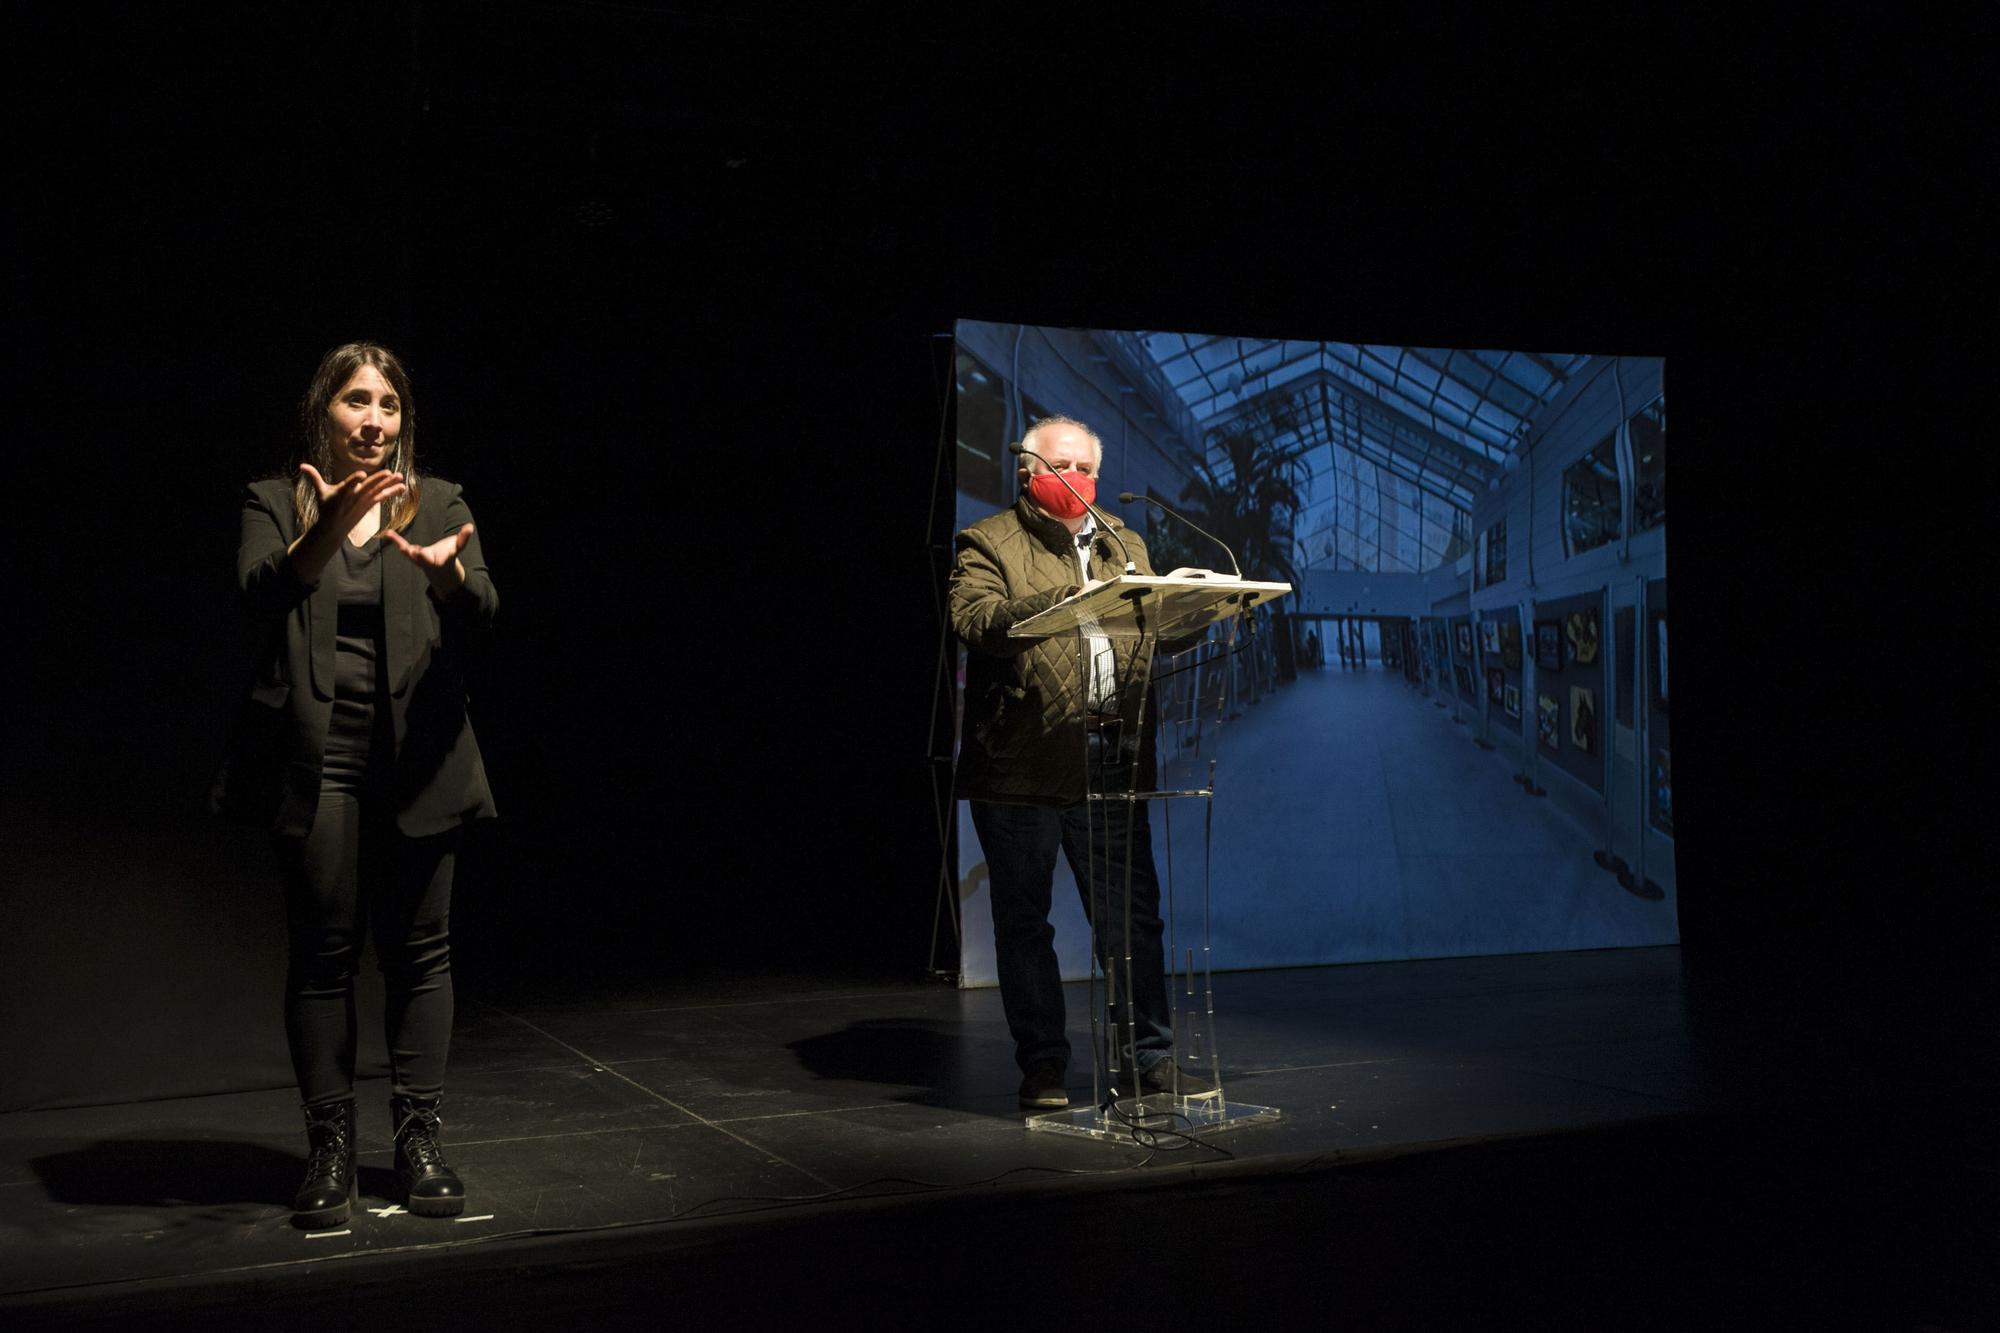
368	591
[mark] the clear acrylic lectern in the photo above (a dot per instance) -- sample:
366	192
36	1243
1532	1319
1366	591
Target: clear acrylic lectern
1138	613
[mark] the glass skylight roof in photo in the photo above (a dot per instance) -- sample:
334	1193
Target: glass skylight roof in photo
1413	429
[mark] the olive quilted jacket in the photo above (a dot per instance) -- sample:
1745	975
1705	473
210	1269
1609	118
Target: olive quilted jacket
1023	738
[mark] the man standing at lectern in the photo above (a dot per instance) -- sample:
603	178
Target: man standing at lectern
1039	713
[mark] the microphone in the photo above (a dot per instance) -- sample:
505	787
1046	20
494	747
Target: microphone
1127	497
1104	520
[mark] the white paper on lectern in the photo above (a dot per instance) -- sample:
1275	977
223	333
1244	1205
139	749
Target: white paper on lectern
1174	604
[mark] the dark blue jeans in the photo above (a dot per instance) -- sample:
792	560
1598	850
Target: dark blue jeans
1020	843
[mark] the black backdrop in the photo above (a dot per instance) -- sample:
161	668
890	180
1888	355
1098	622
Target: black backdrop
671	280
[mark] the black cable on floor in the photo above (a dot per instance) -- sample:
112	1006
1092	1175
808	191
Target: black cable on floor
1158	1137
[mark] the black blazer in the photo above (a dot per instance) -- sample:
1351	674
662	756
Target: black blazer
271	774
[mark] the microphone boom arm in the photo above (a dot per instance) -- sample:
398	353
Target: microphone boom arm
1127	497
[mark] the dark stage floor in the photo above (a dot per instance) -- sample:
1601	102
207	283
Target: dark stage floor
1462	1131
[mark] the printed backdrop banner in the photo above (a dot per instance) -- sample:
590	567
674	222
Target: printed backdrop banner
1366	811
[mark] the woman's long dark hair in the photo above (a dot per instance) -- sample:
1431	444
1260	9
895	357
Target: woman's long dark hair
336	368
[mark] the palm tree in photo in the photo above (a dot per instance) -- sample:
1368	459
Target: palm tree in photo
1170	546
1245	490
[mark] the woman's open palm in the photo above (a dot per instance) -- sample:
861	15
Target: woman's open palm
439	554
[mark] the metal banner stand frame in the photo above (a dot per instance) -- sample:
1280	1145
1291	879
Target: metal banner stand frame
1139	612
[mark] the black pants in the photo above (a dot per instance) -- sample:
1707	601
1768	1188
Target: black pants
355	870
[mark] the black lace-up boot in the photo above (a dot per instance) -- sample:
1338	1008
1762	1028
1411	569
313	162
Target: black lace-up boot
328	1194
430	1188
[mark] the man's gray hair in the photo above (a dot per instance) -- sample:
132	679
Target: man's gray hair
1097	445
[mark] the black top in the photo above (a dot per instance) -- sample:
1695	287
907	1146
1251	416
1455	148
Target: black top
357	641
352	740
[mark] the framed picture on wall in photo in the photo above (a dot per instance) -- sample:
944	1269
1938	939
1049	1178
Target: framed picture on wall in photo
1513	701
1489	636
1548	722
1496	685
1662	785
1581	631
1660	661
1463	673
1510	645
1548	645
1582	719
1462	636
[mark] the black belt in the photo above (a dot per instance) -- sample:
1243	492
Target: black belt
1102	722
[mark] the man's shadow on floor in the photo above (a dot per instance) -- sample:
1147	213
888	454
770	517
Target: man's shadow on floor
941	1061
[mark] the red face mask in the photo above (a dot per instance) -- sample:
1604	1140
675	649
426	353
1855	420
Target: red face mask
1047	491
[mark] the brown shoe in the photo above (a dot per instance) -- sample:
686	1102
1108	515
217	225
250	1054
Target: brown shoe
1042	1087
1165	1076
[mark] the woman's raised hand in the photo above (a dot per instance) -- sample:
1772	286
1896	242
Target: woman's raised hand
343	503
341	506
439	560
439	553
